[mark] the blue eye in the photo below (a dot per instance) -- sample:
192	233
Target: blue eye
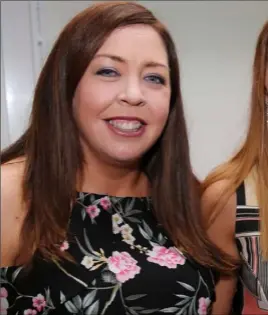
155	79
107	72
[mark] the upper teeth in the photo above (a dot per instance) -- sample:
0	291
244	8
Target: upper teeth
126	125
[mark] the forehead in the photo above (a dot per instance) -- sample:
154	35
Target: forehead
136	42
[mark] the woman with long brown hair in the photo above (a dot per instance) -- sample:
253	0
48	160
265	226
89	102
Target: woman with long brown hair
100	208
236	196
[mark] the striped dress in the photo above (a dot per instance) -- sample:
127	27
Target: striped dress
254	272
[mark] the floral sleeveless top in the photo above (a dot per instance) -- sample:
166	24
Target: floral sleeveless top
125	264
254	272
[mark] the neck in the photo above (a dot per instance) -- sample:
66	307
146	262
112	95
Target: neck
113	179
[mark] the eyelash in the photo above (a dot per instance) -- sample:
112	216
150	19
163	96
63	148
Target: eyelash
106	72
112	73
160	80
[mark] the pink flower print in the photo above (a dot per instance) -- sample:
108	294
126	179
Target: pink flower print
123	265
39	302
29	312
203	306
3	293
64	246
105	203
168	257
93	211
3	301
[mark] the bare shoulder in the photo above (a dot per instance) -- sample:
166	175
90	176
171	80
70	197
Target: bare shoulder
219	213
12	209
11	180
215	204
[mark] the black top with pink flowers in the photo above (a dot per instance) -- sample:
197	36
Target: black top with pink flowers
125	265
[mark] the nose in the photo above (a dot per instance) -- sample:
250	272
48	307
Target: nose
132	93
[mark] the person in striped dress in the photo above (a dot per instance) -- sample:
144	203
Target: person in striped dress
235	203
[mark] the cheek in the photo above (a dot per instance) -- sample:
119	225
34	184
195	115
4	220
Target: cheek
160	109
84	108
90	101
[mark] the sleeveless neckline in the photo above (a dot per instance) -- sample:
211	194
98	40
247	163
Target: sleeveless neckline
101	195
114	199
124	261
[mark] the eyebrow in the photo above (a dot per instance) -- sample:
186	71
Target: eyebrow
121	60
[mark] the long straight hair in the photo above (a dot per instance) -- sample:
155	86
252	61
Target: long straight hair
253	156
54	156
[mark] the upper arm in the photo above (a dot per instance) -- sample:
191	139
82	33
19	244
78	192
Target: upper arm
12	212
221	230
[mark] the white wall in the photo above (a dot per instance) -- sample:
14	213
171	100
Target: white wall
20	67
5	138
215	41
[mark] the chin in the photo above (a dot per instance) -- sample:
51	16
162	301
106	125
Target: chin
126	158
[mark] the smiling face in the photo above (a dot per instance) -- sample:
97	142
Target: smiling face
121	103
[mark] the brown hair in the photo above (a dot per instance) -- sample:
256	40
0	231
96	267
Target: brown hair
253	156
54	156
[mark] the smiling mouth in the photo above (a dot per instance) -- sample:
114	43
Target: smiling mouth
126	125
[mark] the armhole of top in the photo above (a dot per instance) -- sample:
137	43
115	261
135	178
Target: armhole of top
238	300
241	195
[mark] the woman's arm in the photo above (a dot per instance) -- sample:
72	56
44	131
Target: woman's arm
221	230
12	212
